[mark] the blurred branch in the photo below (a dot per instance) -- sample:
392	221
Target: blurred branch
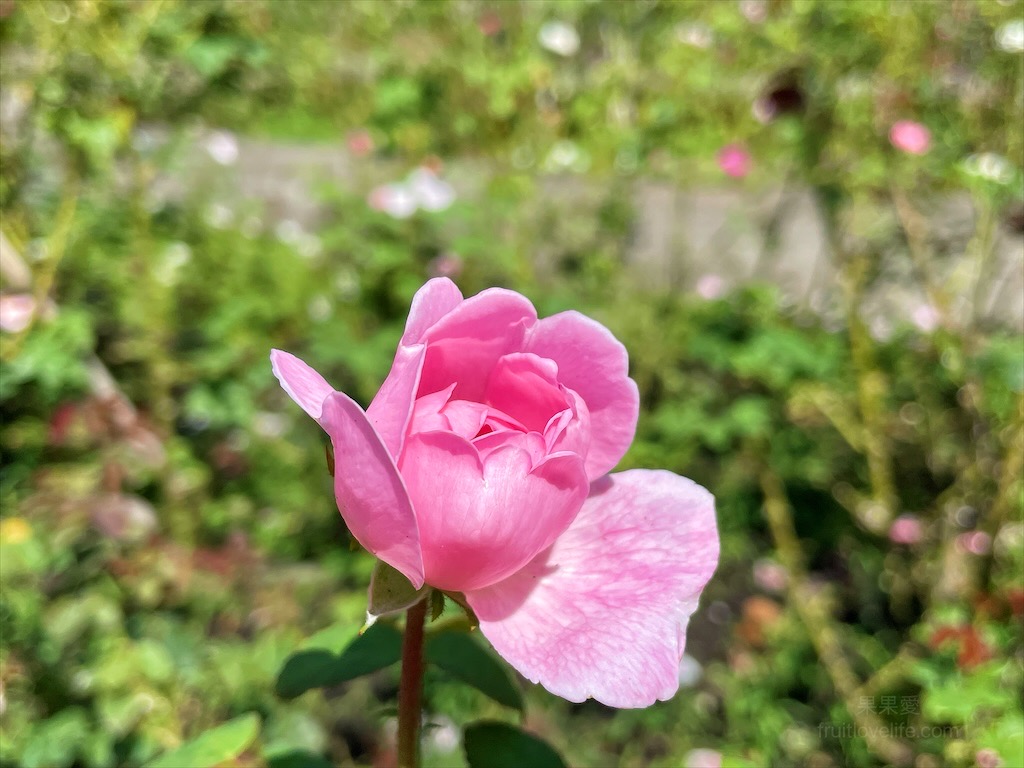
871	385
915	229
894	671
13	270
820	626
981	248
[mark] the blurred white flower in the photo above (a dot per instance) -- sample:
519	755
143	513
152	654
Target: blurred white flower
703	758
177	255
219	216
16	312
347	284
319	309
443	735
690	671
222	146
289	231
396	200
308	246
431	192
1010	36
698	35
559	37
566	155
270	425
989	165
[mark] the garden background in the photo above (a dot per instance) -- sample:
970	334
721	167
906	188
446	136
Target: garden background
803	219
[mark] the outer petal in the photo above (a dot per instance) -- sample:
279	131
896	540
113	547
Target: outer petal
482	520
370	492
593	363
602	614
303	385
432	302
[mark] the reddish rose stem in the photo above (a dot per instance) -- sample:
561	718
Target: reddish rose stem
410	686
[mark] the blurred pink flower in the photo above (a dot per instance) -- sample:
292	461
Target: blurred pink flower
974	542
754	11
911	137
359	142
703	758
734	160
710	287
481	467
16	312
906	529
489	23
770	576
925	317
988	758
446	265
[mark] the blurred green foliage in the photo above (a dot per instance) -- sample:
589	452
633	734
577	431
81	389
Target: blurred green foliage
163	551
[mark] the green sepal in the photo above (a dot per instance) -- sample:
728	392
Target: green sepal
390	592
436	604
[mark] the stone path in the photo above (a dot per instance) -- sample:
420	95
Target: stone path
679	235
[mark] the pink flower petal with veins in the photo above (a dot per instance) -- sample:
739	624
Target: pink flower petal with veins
603	613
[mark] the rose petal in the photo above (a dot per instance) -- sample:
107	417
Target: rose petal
570	429
303	385
426	413
525	387
481	520
465	344
371	495
593	363
603	613
392	406
432	302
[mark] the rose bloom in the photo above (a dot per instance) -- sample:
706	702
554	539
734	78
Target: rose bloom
908	136
481	467
734	160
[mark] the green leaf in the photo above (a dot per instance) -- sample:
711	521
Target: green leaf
225	742
391	591
298	759
491	744
379	647
462	657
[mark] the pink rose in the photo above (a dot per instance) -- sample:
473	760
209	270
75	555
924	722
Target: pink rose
906	529
481	467
734	160
908	136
